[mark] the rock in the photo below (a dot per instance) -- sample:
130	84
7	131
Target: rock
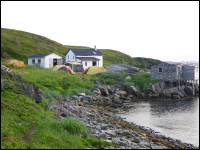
188	90
110	90
156	88
104	91
135	140
64	114
128	78
111	133
121	93
118	68
97	92
132	90
81	94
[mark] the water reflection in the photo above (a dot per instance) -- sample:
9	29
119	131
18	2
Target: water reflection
175	118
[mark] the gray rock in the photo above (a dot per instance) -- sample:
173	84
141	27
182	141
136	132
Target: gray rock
132	90
118	68
104	91
188	90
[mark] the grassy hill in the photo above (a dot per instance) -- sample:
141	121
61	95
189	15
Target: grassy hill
19	45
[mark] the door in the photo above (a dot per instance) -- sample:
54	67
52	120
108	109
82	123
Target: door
94	63
55	62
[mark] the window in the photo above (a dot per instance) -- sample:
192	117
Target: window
73	58
94	63
68	56
160	70
39	61
33	61
85	63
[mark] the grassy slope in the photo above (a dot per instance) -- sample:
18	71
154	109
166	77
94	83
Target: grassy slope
20	45
25	124
145	63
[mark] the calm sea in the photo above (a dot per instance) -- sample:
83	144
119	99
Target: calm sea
174	118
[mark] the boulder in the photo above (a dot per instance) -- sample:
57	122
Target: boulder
132	90
156	88
189	91
121	93
104	91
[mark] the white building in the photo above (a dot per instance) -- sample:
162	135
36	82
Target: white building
44	60
86	57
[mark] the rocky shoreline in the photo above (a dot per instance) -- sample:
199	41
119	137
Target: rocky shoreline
99	113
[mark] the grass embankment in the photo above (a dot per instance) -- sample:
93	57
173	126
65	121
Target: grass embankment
141	80
27	125
56	82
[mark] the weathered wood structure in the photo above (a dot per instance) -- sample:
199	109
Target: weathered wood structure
175	73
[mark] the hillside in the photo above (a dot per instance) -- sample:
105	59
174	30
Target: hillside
19	45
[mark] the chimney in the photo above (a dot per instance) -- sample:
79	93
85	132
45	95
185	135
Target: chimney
95	47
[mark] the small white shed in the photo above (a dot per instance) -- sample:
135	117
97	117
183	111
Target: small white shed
45	60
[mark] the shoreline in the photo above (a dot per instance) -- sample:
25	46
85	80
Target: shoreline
114	129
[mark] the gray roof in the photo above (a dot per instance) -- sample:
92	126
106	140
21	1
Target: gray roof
38	55
86	52
88	58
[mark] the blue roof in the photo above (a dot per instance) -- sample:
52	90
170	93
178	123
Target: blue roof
86	52
38	55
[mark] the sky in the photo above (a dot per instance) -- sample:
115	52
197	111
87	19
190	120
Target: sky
168	31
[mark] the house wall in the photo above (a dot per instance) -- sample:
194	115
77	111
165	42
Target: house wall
42	64
70	56
169	72
46	62
197	73
190	72
49	60
100	63
89	64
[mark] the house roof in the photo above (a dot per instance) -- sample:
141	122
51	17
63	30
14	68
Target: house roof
88	58
38	55
86	52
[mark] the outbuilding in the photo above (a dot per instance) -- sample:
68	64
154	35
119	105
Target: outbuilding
45	60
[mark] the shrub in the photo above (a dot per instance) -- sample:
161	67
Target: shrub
75	127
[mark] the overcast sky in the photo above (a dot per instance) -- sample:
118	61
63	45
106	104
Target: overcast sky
162	30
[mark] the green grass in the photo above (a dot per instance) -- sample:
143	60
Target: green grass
142	80
27	125
115	57
56	82
144	63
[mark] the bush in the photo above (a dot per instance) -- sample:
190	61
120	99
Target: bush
75	127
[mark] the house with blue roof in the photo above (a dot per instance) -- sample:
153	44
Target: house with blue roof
45	60
84	57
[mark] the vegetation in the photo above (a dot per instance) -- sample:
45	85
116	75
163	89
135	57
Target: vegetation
142	80
19	45
56	82
144	63
95	70
115	57
25	124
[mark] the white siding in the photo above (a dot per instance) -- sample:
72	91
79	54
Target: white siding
99	57
89	64
46	62
42	64
70	56
49	60
196	73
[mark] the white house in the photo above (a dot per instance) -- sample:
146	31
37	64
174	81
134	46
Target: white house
87	57
44	60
